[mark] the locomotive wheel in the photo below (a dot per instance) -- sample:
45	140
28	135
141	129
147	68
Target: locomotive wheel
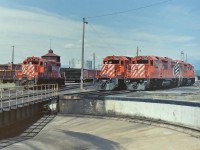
103	85
135	85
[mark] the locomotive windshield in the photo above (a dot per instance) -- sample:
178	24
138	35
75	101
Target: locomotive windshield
113	61
142	61
33	62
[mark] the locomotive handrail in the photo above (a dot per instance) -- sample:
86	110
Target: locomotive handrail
18	96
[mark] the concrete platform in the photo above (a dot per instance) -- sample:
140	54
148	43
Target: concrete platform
81	133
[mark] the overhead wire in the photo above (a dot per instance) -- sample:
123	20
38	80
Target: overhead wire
120	12
126	11
101	37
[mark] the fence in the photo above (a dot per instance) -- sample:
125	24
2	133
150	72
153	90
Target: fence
13	97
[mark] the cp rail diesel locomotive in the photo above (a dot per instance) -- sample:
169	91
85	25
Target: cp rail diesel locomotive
112	73
151	72
36	70
143	72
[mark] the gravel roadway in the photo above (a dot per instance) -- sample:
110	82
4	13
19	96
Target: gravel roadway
67	132
183	93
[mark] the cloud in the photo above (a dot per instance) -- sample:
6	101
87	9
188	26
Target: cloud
69	45
35	23
182	15
31	29
152	37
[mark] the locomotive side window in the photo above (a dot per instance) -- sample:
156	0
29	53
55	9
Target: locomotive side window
151	62
165	64
185	67
122	63
172	64
156	63
41	63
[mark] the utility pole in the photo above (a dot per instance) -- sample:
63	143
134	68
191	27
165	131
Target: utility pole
82	60
94	60
186	57
94	66
137	52
182	56
12	57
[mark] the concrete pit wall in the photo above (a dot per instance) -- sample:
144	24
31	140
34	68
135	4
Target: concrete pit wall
13	115
178	112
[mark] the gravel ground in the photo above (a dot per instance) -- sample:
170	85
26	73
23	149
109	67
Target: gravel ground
186	93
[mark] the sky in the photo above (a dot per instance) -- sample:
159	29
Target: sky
115	27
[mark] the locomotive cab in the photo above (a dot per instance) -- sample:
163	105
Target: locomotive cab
112	73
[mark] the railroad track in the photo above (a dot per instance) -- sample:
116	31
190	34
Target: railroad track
97	94
73	86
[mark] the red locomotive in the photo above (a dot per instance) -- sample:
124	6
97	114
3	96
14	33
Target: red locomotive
150	72
186	73
112	73
7	72
37	70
